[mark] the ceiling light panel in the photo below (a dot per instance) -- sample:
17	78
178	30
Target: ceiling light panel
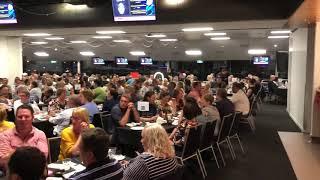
198	29
156	35
41	54
54	38
278	37
281	32
122	41
137	53
87	53
37	34
39	42
220	38
193	52
78	42
111	32
102	37
215	34
257	51
168	40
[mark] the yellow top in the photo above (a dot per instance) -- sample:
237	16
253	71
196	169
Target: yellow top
68	140
5	125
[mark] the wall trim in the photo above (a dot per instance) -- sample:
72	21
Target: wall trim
296	122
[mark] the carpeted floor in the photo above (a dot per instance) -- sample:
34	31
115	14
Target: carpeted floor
265	157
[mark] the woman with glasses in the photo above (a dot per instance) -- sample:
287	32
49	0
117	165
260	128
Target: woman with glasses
70	140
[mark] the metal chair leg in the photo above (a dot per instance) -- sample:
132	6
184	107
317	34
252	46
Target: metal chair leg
202	163
224	163
240	144
215	157
203	175
230	149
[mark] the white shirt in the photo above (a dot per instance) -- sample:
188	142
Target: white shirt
241	102
62	120
18	103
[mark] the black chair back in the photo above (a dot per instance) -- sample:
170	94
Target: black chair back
176	175
106	122
54	148
235	123
97	120
192	141
207	136
225	127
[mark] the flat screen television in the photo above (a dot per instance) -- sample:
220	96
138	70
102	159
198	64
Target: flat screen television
98	60
121	60
134	10
7	14
262	60
146	61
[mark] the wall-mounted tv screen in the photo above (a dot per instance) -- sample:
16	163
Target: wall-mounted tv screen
146	61
134	10
7	14
261	59
98	60
121	60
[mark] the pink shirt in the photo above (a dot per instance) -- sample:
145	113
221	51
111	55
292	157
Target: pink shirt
9	141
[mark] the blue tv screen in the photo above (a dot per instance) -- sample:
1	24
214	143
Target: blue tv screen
121	60
262	60
134	10
146	61
7	14
98	60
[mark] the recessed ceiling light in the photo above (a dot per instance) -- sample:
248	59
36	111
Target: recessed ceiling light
54	38
277	37
102	37
281	32
111	32
174	2
78	42
39	42
199	61
257	51
87	53
197	29
122	41
137	53
41	54
168	40
36	34
275	45
220	38
193	52
156	35
77	7
215	34
53	62
55	49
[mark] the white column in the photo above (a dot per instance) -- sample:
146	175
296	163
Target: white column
78	67
11	64
314	84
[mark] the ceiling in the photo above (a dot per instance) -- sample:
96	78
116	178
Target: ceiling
244	35
55	14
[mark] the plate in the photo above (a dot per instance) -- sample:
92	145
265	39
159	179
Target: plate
118	157
137	128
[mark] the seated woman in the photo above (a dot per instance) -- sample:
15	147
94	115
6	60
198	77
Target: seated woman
4	124
163	104
70	140
177	100
152	114
210	111
86	97
111	100
190	111
158	158
60	102
47	96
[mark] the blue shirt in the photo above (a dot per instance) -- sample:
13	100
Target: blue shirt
92	109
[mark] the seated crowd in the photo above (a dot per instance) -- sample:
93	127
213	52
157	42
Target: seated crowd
71	101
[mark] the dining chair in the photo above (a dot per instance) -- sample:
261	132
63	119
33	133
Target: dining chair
234	131
54	148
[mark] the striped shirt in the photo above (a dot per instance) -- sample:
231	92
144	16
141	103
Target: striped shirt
104	170
146	166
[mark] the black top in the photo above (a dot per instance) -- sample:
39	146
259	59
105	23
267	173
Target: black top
225	107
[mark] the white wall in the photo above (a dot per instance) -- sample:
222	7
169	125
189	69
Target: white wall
11	64
298	44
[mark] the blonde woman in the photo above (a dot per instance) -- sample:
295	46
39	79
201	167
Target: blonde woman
158	158
70	140
4	124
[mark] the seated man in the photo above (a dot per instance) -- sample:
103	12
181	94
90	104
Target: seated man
62	119
240	99
94	145
24	134
124	112
18	164
24	96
